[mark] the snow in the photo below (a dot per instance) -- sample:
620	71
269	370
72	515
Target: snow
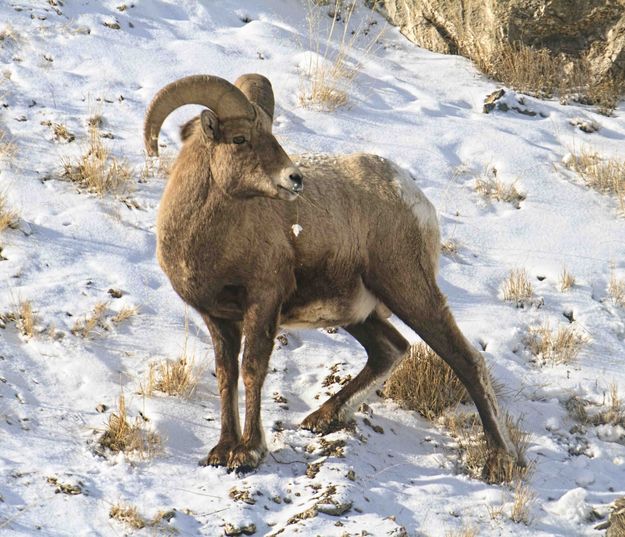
419	109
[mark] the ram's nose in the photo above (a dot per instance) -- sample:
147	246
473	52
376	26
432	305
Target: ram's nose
297	181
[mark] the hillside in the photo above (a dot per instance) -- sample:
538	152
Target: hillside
103	311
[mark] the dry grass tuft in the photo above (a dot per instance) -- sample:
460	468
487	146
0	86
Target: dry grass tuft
173	378
327	80
524	497
616	289
605	175
477	459
468	531
157	167
9	218
517	287
450	247
179	377
424	382
127	515
26	319
559	347
124	314
22	315
9	36
97	170
95	320
490	187
122	436
7	149
612	413
567	280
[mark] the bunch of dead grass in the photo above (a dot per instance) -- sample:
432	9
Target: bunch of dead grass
124	436
326	82
9	218
603	174
425	383
517	287
96	170
561	346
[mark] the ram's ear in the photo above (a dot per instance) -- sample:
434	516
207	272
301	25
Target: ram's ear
210	124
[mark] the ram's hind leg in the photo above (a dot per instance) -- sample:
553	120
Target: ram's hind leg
416	300
384	346
226	337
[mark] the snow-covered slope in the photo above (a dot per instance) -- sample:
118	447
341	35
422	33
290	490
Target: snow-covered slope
60	63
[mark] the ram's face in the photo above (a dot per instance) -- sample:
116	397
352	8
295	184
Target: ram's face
247	160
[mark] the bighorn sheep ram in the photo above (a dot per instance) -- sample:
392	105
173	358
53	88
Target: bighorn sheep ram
369	245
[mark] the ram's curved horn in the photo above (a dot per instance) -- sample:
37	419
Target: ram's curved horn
222	97
258	90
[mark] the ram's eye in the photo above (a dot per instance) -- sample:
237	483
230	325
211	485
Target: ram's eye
238	139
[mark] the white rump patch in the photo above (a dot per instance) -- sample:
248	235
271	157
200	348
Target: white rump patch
412	195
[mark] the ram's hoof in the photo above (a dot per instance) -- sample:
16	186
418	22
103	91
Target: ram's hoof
323	421
244	458
218	456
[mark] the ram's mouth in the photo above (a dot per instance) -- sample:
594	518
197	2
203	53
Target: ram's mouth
287	194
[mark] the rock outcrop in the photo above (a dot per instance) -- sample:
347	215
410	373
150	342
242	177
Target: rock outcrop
580	29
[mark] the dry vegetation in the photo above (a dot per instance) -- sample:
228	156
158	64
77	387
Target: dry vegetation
124	314
22	315
490	187
567	280
125	436
469	531
26	318
517	287
326	81
616	289
425	383
522	503
610	413
179	377
7	148
541	73
96	170
130	516
9	218
556	347
127	515
157	167
605	175
450	247
9	36
477	459
96	322
60	131
87	326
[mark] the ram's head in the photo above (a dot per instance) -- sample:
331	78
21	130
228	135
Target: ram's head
234	130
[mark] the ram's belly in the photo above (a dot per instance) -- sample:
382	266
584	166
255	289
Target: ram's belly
350	306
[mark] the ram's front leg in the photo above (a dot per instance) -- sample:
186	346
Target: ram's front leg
259	328
226	337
